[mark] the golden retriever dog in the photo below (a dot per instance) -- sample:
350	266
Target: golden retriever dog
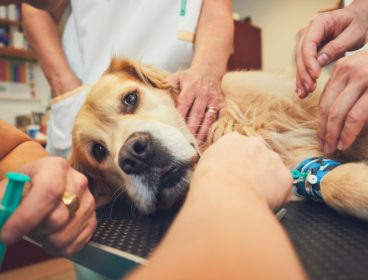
129	138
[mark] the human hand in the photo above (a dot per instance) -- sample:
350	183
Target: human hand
344	103
200	90
246	163
326	38
44	217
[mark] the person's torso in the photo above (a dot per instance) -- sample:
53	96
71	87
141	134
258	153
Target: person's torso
145	30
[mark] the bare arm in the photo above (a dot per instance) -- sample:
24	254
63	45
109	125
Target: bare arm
226	228
42	32
214	37
16	149
200	85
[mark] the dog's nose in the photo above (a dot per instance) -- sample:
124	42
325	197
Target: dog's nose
135	153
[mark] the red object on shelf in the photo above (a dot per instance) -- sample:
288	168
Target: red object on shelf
247	53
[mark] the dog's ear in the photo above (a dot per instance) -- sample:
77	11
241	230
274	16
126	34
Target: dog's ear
145	73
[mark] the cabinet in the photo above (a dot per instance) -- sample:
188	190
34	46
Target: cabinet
247	53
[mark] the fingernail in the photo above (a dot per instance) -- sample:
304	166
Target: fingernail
322	59
298	92
340	145
306	86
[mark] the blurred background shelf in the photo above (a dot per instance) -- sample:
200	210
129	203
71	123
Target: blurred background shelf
9	22
16	53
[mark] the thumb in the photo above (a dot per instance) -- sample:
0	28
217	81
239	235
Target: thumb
174	80
337	47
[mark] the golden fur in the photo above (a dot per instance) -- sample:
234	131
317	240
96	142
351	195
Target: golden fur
257	104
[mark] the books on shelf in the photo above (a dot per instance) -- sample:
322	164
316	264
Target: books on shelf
16	79
13	71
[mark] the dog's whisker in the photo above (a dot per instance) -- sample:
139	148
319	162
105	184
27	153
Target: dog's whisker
132	208
117	194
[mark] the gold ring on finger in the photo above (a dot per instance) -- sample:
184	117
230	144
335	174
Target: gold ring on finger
71	201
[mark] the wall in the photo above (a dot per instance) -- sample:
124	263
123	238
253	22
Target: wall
280	21
9	109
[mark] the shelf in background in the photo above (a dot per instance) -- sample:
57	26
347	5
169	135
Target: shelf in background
16	53
9	22
22	99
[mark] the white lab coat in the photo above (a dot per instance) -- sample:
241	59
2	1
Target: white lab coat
96	30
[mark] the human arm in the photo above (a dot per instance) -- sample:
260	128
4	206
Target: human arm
326	38
226	228
200	85
16	149
41	213
42	32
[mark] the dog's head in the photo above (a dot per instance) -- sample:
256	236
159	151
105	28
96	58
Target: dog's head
129	137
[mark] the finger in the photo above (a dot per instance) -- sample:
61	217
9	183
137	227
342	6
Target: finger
209	119
337	115
43	198
346	41
196	114
305	83
301	91
335	85
185	102
320	28
66	235
312	40
81	240
77	183
53	222
354	122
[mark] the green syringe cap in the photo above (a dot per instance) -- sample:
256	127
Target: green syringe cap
14	190
18	177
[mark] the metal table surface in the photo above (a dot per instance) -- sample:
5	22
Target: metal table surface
330	245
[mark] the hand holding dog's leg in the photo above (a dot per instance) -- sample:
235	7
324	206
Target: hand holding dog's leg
245	162
225	226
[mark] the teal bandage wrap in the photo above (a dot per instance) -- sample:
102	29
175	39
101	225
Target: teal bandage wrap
10	201
308	176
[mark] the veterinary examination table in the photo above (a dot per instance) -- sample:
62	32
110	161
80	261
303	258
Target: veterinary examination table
330	245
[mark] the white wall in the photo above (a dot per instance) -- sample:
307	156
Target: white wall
280	21
9	109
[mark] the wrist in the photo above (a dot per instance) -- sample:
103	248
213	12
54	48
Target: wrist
62	84
204	68
208	185
361	6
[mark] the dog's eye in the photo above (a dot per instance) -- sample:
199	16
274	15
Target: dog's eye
99	151
131	98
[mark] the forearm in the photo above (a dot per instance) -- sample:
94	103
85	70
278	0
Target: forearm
25	152
214	37
43	35
223	233
16	149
